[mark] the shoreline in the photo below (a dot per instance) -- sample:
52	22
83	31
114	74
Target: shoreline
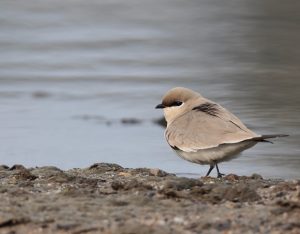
108	198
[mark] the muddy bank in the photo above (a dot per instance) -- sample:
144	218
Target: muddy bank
106	198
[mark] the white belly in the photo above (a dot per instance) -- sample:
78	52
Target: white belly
218	154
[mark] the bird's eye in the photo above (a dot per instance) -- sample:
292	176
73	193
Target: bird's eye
176	103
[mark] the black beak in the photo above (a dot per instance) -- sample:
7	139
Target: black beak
160	106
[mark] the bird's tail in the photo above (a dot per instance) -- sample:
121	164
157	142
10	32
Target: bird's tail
263	138
273	136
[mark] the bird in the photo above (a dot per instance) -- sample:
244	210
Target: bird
202	131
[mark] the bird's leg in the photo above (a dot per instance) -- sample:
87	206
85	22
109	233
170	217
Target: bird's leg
210	169
219	173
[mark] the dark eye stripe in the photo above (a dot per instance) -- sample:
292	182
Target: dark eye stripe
176	103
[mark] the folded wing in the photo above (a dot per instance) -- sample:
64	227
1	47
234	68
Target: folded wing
205	126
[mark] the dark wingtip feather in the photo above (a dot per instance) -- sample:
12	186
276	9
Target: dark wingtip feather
273	136
264	137
266	141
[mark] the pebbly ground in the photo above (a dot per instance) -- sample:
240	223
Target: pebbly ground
106	198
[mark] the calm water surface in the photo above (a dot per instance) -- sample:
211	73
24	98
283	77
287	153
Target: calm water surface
70	71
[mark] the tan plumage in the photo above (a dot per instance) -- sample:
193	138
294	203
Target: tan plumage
202	131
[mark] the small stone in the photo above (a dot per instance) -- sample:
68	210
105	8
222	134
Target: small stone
256	177
178	219
158	172
222	226
280	194
125	174
66	226
150	194
231	177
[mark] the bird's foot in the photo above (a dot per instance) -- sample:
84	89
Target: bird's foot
219	173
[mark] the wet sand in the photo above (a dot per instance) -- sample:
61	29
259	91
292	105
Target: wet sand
107	198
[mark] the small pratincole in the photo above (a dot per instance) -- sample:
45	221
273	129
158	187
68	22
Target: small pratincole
202	131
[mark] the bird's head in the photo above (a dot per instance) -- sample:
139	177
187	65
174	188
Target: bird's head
177	101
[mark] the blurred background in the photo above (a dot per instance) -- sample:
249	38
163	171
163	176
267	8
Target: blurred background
79	80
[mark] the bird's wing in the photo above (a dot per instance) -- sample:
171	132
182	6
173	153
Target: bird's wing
205	126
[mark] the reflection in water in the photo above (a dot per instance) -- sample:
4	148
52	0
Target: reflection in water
114	59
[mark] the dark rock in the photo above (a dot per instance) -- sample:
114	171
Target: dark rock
150	194
17	167
8	222
280	194
66	225
4	167
222	226
105	167
116	185
256	177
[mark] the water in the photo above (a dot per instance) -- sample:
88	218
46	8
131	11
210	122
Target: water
70	71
